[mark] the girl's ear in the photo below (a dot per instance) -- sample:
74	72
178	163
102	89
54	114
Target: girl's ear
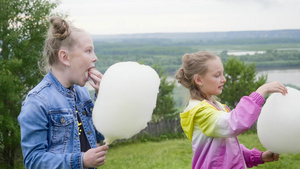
198	80
63	57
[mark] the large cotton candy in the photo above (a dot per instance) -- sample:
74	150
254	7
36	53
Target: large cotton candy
278	125
126	100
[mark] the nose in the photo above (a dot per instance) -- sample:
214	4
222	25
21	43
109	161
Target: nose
94	58
223	79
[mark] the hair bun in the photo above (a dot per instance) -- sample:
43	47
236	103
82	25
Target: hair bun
60	28
179	75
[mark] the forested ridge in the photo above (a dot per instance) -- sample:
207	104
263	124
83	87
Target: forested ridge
281	48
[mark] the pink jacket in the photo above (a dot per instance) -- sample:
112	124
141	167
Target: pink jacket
214	132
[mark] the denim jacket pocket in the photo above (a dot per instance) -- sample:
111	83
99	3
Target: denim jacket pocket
62	129
62	120
88	108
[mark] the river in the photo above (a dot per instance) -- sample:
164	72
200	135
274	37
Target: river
286	76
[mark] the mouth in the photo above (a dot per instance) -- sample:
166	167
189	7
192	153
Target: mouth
86	74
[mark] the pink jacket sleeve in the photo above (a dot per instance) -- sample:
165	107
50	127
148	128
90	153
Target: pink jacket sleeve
252	157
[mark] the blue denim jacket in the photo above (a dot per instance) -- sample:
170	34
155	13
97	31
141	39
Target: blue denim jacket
49	130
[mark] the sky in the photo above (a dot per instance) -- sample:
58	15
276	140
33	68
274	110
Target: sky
111	17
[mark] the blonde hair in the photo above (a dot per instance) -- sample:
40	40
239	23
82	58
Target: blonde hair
194	64
60	34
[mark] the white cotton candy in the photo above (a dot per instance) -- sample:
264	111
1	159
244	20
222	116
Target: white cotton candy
126	100
278	126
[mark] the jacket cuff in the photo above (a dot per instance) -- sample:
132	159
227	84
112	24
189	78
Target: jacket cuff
256	157
81	160
77	161
258	99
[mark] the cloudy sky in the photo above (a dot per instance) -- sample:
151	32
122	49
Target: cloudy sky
156	16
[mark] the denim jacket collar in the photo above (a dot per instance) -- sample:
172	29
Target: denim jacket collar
63	90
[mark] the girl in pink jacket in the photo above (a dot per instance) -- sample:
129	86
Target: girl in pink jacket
211	126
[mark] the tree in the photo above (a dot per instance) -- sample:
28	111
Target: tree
165	105
241	81
23	25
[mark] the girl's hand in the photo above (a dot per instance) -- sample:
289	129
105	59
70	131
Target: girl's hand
95	157
269	156
96	77
273	87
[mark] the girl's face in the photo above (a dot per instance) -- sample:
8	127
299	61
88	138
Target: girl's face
212	82
82	59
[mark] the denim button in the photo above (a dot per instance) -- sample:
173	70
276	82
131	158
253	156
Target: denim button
89	132
62	121
84	112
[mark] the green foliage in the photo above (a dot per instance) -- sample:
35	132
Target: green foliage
181	97
241	81
23	25
273	59
165	105
147	51
168	52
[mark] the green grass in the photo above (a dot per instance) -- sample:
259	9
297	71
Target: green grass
168	154
177	154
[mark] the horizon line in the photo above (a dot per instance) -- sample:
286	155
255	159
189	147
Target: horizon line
195	32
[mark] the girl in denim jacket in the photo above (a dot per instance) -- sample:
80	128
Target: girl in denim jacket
56	117
211	126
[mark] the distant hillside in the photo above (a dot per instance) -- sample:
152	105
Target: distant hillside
288	34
